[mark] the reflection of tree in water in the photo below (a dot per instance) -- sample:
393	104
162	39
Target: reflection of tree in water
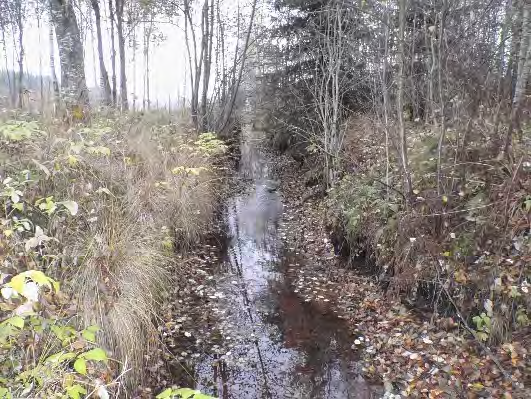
294	350
324	370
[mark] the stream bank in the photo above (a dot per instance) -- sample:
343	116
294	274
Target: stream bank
241	326
410	352
266	309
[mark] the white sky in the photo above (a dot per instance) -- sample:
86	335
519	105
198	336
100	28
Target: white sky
167	69
168	58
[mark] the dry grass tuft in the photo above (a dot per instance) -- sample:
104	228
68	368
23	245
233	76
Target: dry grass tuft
122	277
145	185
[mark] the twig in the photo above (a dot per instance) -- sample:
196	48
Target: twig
509	193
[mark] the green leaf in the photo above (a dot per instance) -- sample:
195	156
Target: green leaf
60	357
203	396
96	354
80	365
16	321
89	333
72	207
167	393
186	393
75	391
15	197
4	393
63	333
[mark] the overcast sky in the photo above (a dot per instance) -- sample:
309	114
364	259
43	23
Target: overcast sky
169	77
167	66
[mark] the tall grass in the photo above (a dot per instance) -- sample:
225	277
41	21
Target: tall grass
143	184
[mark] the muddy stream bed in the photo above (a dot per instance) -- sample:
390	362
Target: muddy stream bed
276	344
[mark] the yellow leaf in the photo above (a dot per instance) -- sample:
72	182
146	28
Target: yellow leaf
77	113
477	386
444	199
8	233
72	160
17	283
39	277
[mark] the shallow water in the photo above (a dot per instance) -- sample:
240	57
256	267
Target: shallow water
279	346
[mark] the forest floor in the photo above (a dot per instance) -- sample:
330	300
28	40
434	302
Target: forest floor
408	351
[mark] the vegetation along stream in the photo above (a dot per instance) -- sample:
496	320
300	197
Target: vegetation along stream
374	240
283	346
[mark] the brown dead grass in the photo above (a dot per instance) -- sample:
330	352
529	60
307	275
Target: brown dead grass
117	252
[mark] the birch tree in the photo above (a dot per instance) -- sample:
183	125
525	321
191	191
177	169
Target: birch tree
113	52
119	13
104	76
73	81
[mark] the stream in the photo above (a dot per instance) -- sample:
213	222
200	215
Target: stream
280	345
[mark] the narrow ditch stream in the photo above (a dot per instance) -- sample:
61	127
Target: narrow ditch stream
280	345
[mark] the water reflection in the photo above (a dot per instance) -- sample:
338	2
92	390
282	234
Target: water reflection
282	346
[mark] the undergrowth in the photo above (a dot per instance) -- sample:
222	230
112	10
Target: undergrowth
466	250
92	214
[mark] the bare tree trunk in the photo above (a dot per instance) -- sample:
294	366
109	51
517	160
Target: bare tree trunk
221	43
41	78
147	41
236	85
442	134
121	50
105	86
512	63
113	53
400	99
385	92
208	33
134	92
188	23
524	66
500	93
55	83
73	82
9	83
199	66
196	68
432	75
19	11
524	60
